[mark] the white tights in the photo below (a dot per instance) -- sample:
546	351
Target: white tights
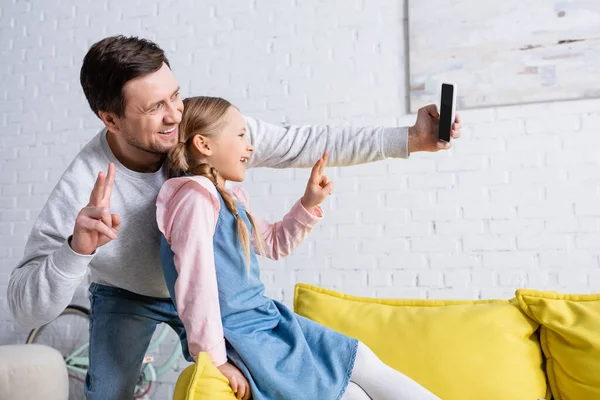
373	380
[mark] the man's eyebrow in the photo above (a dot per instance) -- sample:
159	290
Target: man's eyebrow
151	105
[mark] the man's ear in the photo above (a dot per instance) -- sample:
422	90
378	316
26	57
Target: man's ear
110	120
202	145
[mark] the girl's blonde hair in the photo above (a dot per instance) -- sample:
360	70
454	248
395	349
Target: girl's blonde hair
205	116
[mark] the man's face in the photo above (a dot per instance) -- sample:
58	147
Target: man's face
153	111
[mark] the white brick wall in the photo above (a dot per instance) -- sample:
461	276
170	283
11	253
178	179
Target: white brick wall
514	204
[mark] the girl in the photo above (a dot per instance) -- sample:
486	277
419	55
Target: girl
209	258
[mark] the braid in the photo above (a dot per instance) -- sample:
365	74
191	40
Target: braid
212	174
204	116
178	160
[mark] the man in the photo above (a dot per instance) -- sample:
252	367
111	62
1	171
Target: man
110	225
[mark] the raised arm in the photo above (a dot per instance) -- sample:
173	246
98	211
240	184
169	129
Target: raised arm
54	262
282	237
300	146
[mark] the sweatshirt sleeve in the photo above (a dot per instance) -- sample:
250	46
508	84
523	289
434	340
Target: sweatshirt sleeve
187	214
282	237
45	280
300	146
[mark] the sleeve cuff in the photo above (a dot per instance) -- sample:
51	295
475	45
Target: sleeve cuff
70	263
302	215
395	142
218	354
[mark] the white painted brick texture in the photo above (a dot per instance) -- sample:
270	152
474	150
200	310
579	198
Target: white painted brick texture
514	204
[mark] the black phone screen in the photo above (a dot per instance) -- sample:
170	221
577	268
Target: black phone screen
446	113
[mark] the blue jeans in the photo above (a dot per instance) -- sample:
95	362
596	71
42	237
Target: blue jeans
121	326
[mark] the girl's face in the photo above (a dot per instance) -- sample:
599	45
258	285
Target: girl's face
229	151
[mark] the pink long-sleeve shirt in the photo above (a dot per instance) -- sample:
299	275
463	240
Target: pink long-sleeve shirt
187	209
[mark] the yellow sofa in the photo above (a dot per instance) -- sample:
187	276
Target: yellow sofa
539	345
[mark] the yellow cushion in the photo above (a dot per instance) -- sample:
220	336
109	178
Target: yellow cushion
458	349
570	336
203	381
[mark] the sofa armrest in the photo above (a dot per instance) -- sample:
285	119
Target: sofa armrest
32	371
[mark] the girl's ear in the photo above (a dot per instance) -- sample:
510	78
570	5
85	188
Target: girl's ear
202	145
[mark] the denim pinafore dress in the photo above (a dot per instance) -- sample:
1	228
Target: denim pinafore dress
283	355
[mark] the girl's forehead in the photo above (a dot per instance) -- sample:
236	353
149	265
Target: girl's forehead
234	118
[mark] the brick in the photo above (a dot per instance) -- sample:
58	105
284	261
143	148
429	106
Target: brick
488	243
522	111
446	261
368	183
402	260
587	241
354	261
543	242
538	175
409	229
517	227
568	259
8	203
401	293
484	178
353	231
488	146
436	213
19	189
452	294
483	278
378	215
573	278
538	280
13	215
379	278
553	124
516	194
517	160
31	177
383	246
430	279
589	225
431	181
365	170
479	211
361	201
415	166
463	163
571	156
498	293
466	195
562	225
591	122
511	279
434	245
458	228
311	277
459	278
409	198
586	208
497	130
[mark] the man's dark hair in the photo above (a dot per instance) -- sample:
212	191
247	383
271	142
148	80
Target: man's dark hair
110	63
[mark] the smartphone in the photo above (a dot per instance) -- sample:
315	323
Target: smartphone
447	110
